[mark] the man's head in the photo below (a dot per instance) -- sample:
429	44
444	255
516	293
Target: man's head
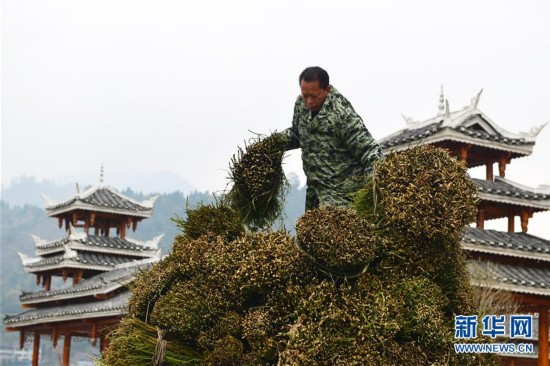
314	83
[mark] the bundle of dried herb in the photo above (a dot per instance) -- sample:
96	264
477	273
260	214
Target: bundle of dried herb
135	342
212	220
337	238
422	193
259	183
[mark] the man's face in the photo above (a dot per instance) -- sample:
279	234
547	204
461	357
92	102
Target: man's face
314	96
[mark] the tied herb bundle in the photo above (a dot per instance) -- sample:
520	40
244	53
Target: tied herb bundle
135	342
211	220
420	192
259	183
340	241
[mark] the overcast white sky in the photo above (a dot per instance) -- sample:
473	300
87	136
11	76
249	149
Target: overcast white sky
149	86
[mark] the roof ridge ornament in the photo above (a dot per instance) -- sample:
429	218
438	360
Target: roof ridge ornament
74	235
69	253
409	121
447	121
38	241
534	131
77	190
441	106
150	201
48	202
153	243
475	100
26	260
101	175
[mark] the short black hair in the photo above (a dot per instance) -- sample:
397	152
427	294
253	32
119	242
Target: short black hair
315	73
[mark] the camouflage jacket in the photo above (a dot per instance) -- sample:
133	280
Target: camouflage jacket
337	150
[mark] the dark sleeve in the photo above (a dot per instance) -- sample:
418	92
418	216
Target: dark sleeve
291	133
359	142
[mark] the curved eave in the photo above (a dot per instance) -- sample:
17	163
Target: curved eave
114	306
519	201
123	310
450	134
91	292
79	205
50	250
41	252
513	288
145	253
502	250
68	263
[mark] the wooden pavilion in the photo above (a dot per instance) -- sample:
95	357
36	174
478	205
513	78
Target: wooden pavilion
99	264
517	262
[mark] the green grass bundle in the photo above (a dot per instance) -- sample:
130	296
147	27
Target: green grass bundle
337	238
212	220
259	183
135	342
423	192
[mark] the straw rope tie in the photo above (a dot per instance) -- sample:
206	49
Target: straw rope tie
160	348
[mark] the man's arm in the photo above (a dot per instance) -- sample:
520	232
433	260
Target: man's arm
359	142
291	133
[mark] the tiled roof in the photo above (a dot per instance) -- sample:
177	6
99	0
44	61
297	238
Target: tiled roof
90	260
509	244
99	284
510	277
103	199
413	136
114	306
484	135
97	243
502	187
409	136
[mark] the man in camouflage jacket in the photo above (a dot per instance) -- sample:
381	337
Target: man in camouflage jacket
337	149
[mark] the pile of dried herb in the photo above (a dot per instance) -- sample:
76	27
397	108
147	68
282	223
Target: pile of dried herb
234	298
420	200
228	301
259	183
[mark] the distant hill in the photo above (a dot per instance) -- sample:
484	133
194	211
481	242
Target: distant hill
18	221
26	190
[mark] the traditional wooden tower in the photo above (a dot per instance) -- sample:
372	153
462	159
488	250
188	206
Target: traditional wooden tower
100	263
517	262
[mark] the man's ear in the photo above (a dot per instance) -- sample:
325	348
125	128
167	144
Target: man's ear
327	89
